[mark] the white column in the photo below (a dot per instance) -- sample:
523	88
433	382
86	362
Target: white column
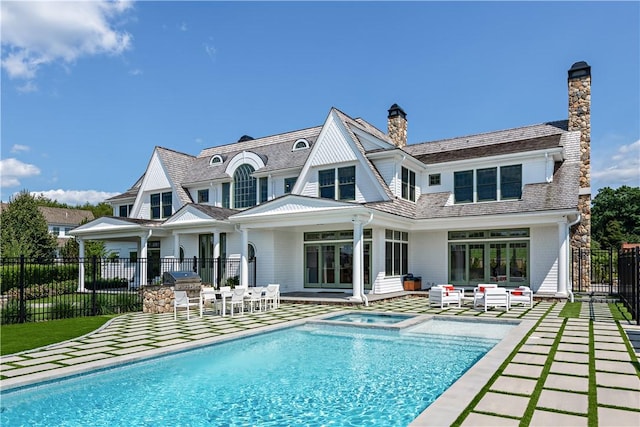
563	256
244	265
216	255
177	265
358	285
81	266
143	256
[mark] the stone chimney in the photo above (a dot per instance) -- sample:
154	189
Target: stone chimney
580	120
397	126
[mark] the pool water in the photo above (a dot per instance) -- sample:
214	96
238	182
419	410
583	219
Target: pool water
371	318
309	375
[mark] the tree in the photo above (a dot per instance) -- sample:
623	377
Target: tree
71	249
24	230
615	216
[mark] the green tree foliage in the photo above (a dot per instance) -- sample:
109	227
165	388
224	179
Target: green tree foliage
71	249
24	230
615	216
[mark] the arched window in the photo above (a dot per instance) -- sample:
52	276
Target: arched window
244	187
215	160
300	144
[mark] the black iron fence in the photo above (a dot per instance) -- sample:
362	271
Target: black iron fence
594	271
608	272
629	280
33	290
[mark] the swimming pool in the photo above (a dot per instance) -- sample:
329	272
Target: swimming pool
312	374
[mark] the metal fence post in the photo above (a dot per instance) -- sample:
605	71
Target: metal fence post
94	268
22	311
610	270
636	283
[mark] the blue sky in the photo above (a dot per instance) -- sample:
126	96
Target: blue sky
90	88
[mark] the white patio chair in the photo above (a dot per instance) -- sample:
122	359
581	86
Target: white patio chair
442	295
271	296
478	291
208	295
494	297
225	288
521	295
181	299
254	298
237	300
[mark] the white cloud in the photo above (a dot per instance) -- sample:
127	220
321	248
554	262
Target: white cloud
621	168
44	32
18	148
12	170
75	197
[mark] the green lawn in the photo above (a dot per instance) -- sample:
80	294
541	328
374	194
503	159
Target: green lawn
26	336
571	309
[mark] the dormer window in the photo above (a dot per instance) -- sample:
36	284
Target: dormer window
300	144
215	160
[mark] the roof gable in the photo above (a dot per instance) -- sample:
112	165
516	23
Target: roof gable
338	144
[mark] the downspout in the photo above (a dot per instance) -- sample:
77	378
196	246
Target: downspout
571	224
364	297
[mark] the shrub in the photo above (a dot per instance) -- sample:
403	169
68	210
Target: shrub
63	310
10	312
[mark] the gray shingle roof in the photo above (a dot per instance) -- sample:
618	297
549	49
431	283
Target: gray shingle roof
178	165
276	152
215	212
486	139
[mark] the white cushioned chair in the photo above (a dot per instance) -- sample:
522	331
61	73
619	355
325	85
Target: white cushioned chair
493	297
521	295
442	295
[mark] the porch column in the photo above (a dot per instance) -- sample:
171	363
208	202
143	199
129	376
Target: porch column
81	265
145	260
244	265
216	255
563	252
176	246
358	286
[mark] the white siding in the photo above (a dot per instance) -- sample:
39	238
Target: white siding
288	262
544	259
428	257
155	177
333	148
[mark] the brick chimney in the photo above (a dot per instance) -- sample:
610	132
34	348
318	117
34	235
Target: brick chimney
579	81
397	126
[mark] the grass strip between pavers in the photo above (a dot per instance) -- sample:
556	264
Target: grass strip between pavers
593	390
537	391
630	350
498	373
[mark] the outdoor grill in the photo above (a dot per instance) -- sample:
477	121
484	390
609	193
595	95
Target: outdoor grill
182	280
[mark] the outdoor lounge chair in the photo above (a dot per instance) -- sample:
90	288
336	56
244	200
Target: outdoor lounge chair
181	299
442	295
208	295
493	297
521	295
478	291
